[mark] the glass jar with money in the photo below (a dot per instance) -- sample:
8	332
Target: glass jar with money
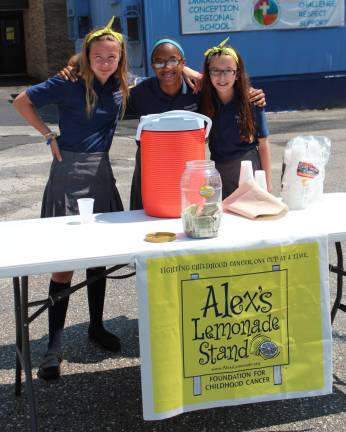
201	199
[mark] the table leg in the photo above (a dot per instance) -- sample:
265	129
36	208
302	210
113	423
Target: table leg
23	357
16	288
340	274
26	358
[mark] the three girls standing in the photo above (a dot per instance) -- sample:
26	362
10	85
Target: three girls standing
239	128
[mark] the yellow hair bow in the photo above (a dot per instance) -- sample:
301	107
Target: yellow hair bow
221	49
107	30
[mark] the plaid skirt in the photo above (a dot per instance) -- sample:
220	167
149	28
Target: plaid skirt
80	175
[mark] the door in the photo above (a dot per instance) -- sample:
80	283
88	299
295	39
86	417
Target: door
12	49
134	40
132	27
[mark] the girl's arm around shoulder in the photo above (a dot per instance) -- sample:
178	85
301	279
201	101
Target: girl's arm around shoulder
70	71
257	97
193	79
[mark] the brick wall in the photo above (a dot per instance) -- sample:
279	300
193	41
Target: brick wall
59	46
46	39
35	40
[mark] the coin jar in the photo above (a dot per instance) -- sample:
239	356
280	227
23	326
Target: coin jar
201	199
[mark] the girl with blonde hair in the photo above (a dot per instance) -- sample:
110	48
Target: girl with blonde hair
89	110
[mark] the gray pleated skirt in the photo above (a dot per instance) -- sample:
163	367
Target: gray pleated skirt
230	170
80	175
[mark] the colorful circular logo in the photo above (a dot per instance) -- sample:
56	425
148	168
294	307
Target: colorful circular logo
266	12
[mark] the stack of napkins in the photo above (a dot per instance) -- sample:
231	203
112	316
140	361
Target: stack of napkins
251	201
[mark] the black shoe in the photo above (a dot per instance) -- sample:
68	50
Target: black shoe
49	369
104	339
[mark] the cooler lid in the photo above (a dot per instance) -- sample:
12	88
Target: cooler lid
177	120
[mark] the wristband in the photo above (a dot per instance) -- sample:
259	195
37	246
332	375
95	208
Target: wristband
51	136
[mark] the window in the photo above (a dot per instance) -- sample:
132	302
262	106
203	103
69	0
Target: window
132	29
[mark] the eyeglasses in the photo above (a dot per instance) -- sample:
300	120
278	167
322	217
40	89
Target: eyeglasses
170	63
219	72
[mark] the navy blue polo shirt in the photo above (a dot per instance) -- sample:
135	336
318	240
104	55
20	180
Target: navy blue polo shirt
78	132
148	98
224	139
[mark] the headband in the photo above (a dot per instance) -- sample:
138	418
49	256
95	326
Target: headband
221	49
170	41
107	30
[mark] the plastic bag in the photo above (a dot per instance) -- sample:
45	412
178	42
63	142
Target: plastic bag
303	170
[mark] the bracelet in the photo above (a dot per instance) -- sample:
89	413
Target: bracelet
50	137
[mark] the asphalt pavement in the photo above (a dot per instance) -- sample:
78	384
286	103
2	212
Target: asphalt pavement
102	392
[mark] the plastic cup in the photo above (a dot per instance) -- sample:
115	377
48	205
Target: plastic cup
260	179
86	207
246	172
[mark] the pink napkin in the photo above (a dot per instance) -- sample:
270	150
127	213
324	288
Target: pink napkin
252	201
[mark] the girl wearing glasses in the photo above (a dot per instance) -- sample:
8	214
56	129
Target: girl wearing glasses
239	130
88	114
166	91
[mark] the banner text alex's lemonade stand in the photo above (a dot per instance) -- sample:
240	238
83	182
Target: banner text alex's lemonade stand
227	328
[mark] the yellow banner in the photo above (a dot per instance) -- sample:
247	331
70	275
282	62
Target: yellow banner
235	326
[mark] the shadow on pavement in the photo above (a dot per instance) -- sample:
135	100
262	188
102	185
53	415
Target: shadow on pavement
111	400
76	346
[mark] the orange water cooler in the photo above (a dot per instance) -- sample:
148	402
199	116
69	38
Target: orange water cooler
167	141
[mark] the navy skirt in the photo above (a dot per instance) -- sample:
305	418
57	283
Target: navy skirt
80	175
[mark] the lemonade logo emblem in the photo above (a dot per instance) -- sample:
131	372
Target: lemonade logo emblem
266	12
263	346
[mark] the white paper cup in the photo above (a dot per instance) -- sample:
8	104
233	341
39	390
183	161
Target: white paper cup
246	172
260	179
86	207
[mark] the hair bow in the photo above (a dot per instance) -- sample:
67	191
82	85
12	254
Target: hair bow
107	30
221	49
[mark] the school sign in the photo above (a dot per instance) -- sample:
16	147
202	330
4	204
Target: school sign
208	16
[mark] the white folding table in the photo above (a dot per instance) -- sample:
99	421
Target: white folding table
39	246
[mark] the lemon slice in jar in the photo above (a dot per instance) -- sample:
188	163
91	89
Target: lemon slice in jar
206	191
